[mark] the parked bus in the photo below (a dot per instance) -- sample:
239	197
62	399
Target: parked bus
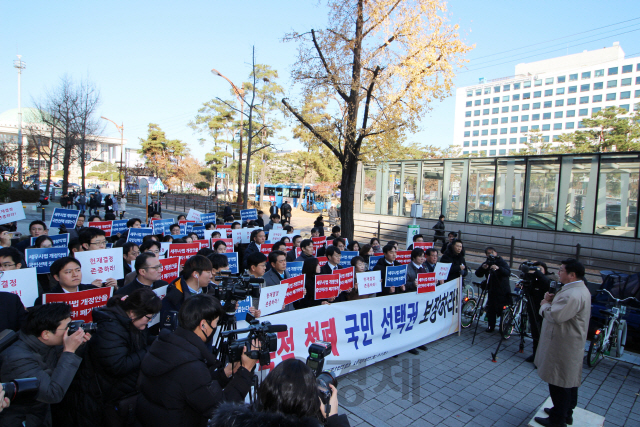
278	193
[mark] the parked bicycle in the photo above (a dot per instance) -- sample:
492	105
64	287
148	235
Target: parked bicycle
612	337
472	307
515	315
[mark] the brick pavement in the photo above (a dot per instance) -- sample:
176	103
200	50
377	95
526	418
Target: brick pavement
456	384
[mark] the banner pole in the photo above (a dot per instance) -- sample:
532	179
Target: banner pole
460	305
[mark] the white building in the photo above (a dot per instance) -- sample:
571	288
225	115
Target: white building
493	117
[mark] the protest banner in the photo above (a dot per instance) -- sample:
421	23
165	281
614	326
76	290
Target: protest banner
227	242
369	282
403	257
161	292
10	212
318	242
426	282
66	217
288	246
298	251
183	250
423	245
272	298
185	222
233	262
164	249
346	278
118	226
194	215
208	217
162	226
236	236
59	240
246	234
82	302
248	214
102	225
199	230
294	268
227	227
276	235
322	260
277	226
243	309
23	282
41	259
295	289
327	286
266	248
373	260
396	275
347	256
203	243
136	235
442	270
102	264
170	269
378	254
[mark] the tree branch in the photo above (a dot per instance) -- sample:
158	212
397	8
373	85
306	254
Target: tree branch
263	147
336	86
367	104
374	26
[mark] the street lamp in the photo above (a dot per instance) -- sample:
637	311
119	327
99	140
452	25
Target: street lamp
20	65
240	95
121	130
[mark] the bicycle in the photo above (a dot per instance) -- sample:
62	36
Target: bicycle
515	313
472	307
613	335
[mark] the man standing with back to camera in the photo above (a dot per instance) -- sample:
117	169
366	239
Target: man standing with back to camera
561	349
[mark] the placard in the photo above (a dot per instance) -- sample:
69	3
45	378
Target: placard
59	240
266	248
82	302
228	243
403	257
170	269
194	215
136	235
161	292
68	217
164	249
396	275
203	243
442	270
327	286
233	261
288	246
246	234
23	282
162	226
275	235
277	226
298	251
208	217
318	242
102	225
243	309
294	268
295	289
271	299
373	260
102	264
423	245
249	214
346	278
347	256
426	282
118	226
10	212
412	230
322	261
184	250
199	230
369	282
185	222
236	236
41	259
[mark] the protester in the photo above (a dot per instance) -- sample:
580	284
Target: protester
130	252
257	267
291	255
13	314
439	227
496	272
375	244
36	229
277	273
310	269
315	232
275	219
93	239
359	266
220	247
66	273
455	257
414	268
416	238
353	246
148	275
5	237
257	238
194	280
388	259
318	224
450	238
365	252
307	250
431	259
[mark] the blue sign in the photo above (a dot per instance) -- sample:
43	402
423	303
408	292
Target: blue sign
137	234
233	261
199	231
373	260
183	229
208	217
60	216
294	268
178	236
161	226
59	241
109	245
243	309
347	256
42	259
118	226
249	214
396	276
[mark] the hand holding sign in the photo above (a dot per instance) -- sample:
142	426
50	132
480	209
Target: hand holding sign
369	282
426	282
272	298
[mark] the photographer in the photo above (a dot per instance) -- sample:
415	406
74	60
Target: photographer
497	272
182	383
46	351
540	280
288	396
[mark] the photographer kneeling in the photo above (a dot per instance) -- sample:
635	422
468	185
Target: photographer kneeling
496	271
182	382
288	396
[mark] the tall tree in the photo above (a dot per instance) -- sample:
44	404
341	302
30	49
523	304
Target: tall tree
383	62
162	155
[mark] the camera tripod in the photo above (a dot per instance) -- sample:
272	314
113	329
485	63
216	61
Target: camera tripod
479	308
515	316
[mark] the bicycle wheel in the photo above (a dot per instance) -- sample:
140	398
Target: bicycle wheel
595	352
467	313
506	323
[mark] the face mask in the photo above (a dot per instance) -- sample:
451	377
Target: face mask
209	340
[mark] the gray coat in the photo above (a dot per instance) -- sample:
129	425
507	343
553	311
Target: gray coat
412	275
564	333
29	357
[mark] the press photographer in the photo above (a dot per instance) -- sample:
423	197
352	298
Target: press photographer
496	271
182	383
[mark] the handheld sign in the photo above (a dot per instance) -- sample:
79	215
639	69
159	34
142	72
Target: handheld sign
10	212
42	258
423	245
346	278
295	289
136	235
161	292
275	235
369	282
184	250
162	226
208	217
102	225
318	242
170	269
236	236
426	282
164	249
118	226
327	286
227	242
246	234
233	262
66	217
185	222
396	275
322	261
373	260
277	226
23	283
289	246
298	251
199	230
248	214
442	270
102	264
59	241
272	298
266	248
403	257
83	302
202	243
294	268
347	256
243	309
194	215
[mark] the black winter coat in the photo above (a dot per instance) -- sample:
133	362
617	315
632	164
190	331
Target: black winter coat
246	416
499	286
13	313
456	261
251	249
181	385
381	266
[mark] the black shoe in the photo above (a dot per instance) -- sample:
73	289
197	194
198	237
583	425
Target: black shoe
568	420
546	422
530	358
490	329
413	351
423	347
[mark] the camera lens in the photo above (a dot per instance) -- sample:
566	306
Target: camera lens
326	378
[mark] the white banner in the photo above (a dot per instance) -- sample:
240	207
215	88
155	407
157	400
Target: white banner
102	264
10	212
23	282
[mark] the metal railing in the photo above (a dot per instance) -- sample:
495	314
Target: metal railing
182	203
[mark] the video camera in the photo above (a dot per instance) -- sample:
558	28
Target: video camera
264	333
491	260
21	390
317	352
236	287
74	325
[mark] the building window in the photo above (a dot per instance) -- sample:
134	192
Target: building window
505	109
469	103
546	127
476	122
477	102
586	75
516	86
478	92
583	112
597	98
611	97
515	97
535	127
573	89
556	138
503	141
514	119
580	125
625	95
537	82
526	95
524	118
571	101
503	131
493	141
474	143
571	113
504	120
496	89
561	79
505	98
503	152
548	104
515	108
568	125
612	83
548	81
523	140
584	100
469	93
483	153
476	112
486	101
559	102
625	107
560	91
638	80
483	143
584	88
537	94
548	92
465	144
598	73
495	110
492	152
625	82
526	84
465	152
485	122
573	77
546	116
612	71
557	126
485	112
467	134
467	114
496	100
627	68
514	130
524	129
536	105
513	141
506	87
494	131
494	121
557	115
467	124
595	110
476	133
535	117
597	86
637	95
485	132
487	90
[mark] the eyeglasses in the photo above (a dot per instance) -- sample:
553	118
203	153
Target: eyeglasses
135	254
150	316
99	243
157	267
7	264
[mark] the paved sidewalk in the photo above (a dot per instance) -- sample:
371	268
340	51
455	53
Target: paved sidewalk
456	384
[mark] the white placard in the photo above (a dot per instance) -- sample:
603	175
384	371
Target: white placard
164	249
275	235
10	212
442	270
208	233
161	292
23	282
369	282
102	264
246	234
194	215
277	226
271	299
236	236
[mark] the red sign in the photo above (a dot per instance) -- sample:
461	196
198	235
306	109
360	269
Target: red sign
184	250
298	252
228	243
102	225
184	222
346	278
426	282
322	260
423	245
327	286
203	243
378	254
289	246
82	303
403	257
318	242
266	248
170	268
225	227
295	290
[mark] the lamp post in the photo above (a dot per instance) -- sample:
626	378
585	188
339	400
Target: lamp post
121	130
240	95
20	65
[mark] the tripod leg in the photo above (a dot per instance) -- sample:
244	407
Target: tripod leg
477	314
495	355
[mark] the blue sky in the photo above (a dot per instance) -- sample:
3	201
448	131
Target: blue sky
152	59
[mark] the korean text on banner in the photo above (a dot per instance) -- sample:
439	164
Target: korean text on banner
183	250
327	286
102	225
194	215
369	282
10	212
295	289
136	235
396	275
266	248
23	282
318	242
83	302
322	261
347	256
423	245
102	264
233	262
227	242
208	217
246	234
161	292
203	243
243	309
442	270
346	278
373	260
66	217
249	214
118	226
169	269
404	257
276	235
59	240
426	282
199	230
236	236
272	298
42	258
294	268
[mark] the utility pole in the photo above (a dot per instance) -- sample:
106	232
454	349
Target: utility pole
20	65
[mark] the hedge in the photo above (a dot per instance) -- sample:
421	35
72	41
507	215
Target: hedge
8	194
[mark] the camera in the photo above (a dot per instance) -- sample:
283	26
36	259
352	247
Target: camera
264	333
236	287
491	260
22	389
74	325
317	352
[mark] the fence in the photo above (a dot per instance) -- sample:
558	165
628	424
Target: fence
182	203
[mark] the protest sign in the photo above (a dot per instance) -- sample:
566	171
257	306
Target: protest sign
59	240
322	260
246	234
170	269
298	251
423	245
233	261
318	242
208	217
202	243
346	278
373	260
412	230
199	230
403	257
161	292
136	235
369	282
227	227
66	217
185	222
41	259
248	214
82	302
426	282
276	235
347	256
164	249
271	299
102	225
277	226
442	270
184	250
102	264
23	283
118	226
10	212
243	309
295	289
162	226
288	246
266	248
236	236
294	268
396	275
227	242
327	286
194	215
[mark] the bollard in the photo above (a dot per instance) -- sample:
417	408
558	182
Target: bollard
378	230
42	213
578	252
513	244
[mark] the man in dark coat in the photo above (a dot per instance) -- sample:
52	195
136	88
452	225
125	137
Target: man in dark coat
307	250
497	272
257	238
13	313
439	227
455	257
285	209
387	260
149	273
277	273
182	383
